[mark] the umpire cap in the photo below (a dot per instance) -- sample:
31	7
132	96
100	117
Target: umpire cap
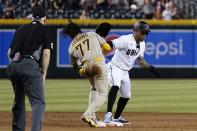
141	26
38	12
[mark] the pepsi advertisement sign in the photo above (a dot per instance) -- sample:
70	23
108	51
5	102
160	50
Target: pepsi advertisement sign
164	48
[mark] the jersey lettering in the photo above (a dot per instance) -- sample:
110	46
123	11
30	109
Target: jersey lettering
131	52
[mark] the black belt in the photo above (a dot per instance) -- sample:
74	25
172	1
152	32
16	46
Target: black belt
28	57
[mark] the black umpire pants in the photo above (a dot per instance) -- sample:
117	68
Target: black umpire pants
27	80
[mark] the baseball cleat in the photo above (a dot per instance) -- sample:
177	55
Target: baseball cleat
90	121
121	120
93	123
108	117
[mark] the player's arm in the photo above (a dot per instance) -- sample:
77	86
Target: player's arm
76	67
119	43
73	62
106	48
104	45
144	64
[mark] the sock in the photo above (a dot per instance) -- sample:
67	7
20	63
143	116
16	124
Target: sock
112	97
120	107
99	101
96	100
92	96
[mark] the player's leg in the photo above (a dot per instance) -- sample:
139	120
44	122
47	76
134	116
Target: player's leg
114	82
98	97
101	90
101	85
125	95
92	96
112	97
33	85
93	92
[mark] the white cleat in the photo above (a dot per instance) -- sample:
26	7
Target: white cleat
121	120
108	117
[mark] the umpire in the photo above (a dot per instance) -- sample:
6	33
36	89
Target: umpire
29	56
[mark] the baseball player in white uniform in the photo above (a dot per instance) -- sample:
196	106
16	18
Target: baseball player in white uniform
128	48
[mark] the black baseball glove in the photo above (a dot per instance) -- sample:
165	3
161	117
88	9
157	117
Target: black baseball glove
153	70
103	29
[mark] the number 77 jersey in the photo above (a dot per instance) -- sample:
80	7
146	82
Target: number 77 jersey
86	46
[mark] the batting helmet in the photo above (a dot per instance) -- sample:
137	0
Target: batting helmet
141	26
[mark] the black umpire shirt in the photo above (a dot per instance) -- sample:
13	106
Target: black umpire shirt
31	39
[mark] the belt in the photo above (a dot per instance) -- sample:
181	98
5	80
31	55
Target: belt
87	61
28	57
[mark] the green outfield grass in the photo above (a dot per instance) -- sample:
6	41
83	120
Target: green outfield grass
151	95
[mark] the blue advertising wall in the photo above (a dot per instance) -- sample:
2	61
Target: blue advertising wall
5	40
173	51
164	48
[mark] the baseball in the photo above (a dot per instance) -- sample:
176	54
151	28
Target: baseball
134	7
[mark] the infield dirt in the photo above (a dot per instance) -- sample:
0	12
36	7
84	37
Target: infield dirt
62	121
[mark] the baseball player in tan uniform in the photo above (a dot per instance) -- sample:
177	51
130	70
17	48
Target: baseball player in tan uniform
87	58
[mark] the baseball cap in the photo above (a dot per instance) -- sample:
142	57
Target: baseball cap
38	12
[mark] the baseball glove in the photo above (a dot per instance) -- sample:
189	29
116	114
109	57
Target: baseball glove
90	70
153	70
103	29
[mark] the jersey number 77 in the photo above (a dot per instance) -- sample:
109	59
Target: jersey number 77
80	46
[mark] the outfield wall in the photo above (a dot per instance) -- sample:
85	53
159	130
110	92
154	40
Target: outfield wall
171	46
